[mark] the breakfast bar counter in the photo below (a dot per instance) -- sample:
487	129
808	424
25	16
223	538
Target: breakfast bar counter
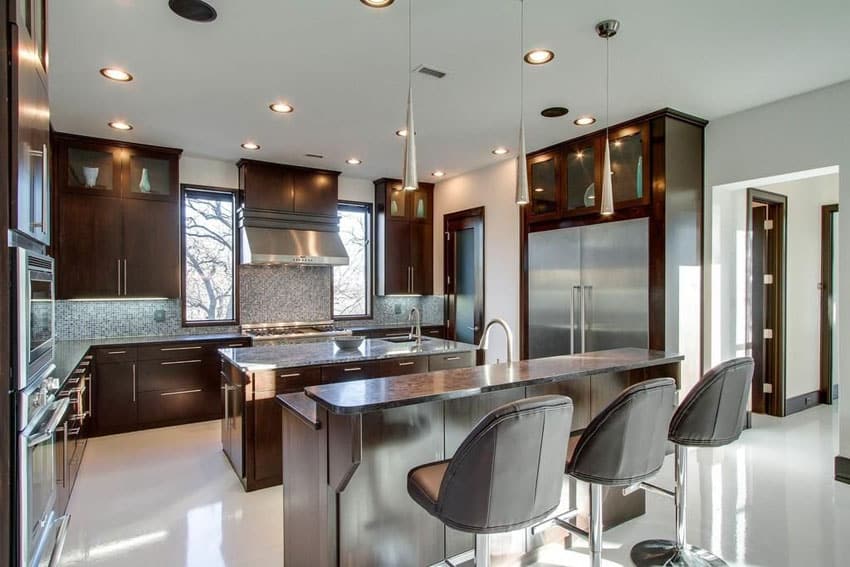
347	449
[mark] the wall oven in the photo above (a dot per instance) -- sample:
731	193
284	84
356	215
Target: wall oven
35	314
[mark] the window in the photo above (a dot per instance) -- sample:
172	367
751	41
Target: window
352	290
209	256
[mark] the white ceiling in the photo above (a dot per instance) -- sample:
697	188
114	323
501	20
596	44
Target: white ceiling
206	87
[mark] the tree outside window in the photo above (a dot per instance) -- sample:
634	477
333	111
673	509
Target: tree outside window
209	262
352	291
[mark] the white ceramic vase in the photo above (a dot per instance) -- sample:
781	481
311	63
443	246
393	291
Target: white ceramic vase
90	175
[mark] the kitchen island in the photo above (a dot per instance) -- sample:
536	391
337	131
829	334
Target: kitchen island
347	449
252	377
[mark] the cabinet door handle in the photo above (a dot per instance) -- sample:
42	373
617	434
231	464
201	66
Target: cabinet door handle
354	369
232	345
134	382
169	349
173	362
293	375
451	358
125	276
406	363
163	394
118	261
117	352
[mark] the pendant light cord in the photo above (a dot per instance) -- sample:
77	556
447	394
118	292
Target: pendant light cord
521	68
607	88
410	43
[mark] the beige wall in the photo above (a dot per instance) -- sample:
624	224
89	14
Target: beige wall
492	188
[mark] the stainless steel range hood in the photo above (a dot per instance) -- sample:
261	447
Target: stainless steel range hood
290	245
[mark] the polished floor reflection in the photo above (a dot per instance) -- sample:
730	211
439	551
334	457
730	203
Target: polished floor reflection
168	498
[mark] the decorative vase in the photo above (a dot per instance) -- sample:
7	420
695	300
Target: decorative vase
145	183
420	209
90	175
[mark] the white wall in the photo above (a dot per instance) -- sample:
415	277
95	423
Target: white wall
805	198
353	189
209	172
805	132
493	188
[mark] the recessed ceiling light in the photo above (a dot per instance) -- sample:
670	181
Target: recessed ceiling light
554	111
121	125
439	173
116	74
500	151
194	10
353	161
250	146
618	143
402	132
538	189
377	3
281	107
538	56
584	120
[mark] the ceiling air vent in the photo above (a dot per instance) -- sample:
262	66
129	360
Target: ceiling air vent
436	73
317	156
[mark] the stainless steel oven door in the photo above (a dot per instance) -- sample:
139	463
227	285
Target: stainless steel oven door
36	314
37	481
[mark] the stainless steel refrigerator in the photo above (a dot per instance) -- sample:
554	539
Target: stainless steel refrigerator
588	288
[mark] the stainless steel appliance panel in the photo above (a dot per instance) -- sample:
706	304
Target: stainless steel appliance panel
615	284
554	271
35	314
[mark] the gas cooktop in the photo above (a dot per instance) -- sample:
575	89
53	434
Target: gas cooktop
271	331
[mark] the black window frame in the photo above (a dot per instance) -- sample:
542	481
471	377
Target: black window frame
366	208
189	188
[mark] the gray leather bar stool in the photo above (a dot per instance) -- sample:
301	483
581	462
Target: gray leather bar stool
713	414
506	475
622	445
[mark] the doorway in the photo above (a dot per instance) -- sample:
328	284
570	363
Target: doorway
766	260
463	246
829	304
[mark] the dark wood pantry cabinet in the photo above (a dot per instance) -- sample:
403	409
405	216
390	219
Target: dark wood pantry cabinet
404	239
118	217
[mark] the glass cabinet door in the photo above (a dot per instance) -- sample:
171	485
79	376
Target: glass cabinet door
629	165
149	176
92	169
397	208
421	207
544	184
583	170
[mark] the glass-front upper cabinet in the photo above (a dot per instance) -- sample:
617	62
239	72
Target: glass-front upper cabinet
397	201
544	184
630	165
420	207
93	168
150	176
583	170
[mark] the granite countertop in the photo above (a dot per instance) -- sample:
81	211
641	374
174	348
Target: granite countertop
68	354
372	326
302	407
259	358
362	396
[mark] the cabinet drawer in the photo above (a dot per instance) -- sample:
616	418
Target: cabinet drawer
178	405
451	361
211	349
287	379
352	371
155	375
435	332
409	365
172	351
115	354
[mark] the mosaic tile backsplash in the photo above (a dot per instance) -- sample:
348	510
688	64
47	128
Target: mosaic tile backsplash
267	294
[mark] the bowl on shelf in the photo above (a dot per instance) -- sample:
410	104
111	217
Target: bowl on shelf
349	342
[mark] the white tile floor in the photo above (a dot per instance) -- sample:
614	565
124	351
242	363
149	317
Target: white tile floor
167	498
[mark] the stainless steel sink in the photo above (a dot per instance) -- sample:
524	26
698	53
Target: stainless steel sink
402	340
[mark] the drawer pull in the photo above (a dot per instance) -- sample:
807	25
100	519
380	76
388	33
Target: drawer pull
117	352
355	369
173	362
75	380
406	363
169	349
397	335
181	392
293	375
73	431
451	358
236	345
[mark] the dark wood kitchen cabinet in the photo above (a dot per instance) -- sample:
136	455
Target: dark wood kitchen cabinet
283	188
118	216
154	385
404	239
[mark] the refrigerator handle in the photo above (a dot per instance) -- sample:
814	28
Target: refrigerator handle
573	319
583	319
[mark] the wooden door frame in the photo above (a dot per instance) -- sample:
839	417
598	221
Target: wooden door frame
475	214
777	405
827	388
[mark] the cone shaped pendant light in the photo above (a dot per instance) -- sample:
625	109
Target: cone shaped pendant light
410	180
606	30
521	168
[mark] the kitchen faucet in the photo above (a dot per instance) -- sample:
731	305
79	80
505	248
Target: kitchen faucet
485	337
415	317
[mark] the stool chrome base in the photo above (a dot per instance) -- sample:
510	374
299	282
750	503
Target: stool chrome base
656	552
